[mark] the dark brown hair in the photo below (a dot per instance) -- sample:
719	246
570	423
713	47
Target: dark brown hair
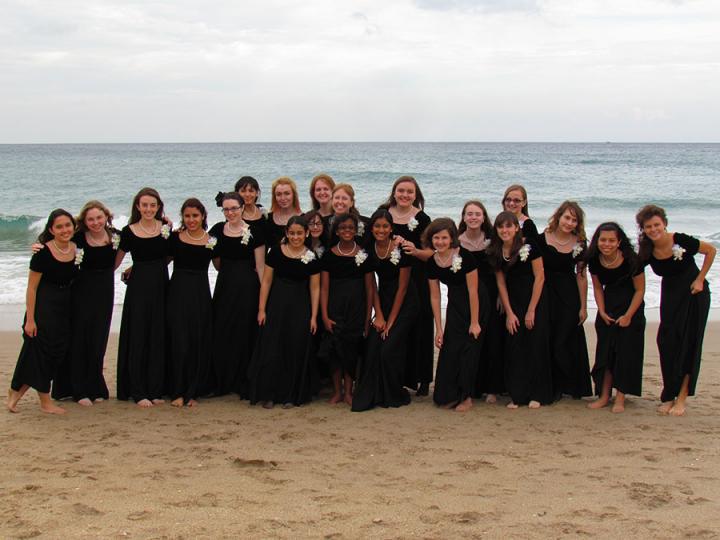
494	250
578	213
521	189
645	245
485	227
419	201
192	202
437	225
46	235
135	215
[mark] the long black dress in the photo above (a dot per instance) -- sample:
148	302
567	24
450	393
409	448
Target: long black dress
619	350
235	307
141	346
683	316
420	352
189	320
568	347
93	294
528	371
491	370
41	355
347	304
458	359
380	383
273	232
281	369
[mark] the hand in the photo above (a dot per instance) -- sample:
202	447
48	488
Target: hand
697	286
439	339
512	323
261	318
529	320
582	316
30	328
37	246
398	240
409	248
475	330
379	323
313	326
623	321
606	318
125	275
386	332
329	323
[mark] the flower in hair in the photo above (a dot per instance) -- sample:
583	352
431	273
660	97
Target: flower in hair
395	256
678	252
115	240
413	223
524	252
577	250
165	231
360	257
79	254
211	243
308	256
246	236
456	264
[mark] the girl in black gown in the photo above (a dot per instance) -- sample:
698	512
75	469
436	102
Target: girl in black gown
316	241
515	201
239	258
475	232
252	213
346	296
563	245
141	346
458	342
93	293
619	286
520	279
46	327
285	204
396	307
343	202
281	369
406	203
189	307
684	304
321	188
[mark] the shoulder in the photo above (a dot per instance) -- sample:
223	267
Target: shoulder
217	229
686	241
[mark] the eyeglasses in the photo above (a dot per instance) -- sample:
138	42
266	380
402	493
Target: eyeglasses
231	210
510	200
315	224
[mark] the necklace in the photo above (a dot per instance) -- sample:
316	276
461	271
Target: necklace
387	251
193	237
558	242
444	263
506	258
254	214
149	233
294	255
96	241
477	244
65	252
230	228
406	214
609	264
341	252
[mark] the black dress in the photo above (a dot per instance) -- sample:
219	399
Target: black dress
347	304
528	372
568	347
281	369
619	350
41	355
420	352
458	359
364	234
491	368
381	375
529	230
189	320
273	232
93	294
683	316
141	346
235	307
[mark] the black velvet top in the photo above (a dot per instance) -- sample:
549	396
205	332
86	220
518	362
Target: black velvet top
143	249
53	271
448	276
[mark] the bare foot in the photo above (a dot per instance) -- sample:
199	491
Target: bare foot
144	403
677	410
512	405
491	398
598	403
335	399
158	401
534	404
192	403
618	407
12	400
85	402
99	400
178	402
464	406
51	408
665	407
348	399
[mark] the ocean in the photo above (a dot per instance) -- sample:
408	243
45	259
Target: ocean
610	181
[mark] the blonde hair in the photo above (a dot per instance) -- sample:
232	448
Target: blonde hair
90	205
347	188
287	181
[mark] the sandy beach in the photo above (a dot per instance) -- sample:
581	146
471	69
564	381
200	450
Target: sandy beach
226	469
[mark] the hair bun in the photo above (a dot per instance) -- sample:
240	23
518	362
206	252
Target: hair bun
219	198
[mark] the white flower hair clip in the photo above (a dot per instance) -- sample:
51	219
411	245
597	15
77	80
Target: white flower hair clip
360	257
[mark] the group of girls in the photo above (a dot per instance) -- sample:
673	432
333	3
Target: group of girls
356	300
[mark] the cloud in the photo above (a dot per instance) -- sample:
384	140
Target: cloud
484	6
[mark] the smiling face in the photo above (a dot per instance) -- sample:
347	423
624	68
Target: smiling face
568	222
62	229
296	235
346	230
248	193
192	219
507	232
232	211
654	228
283	196
95	220
148	207
404	194
322	192
342	201
315	226
514	202
441	241
381	229
608	243
473	217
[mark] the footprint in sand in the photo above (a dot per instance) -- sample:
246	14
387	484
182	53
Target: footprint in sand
649	495
85	510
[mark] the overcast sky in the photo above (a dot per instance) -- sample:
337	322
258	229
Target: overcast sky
372	70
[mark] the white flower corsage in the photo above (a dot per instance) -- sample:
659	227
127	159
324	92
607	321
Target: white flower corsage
361	228
360	257
211	243
413	223
524	252
308	256
485	244
456	264
165	231
246	236
678	252
79	254
577	250
115	240
395	256
319	251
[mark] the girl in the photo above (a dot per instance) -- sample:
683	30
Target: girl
252	213
239	258
346	296
475	232
563	245
316	236
321	188
619	286
396	306
458	342
189	314
520	280
684	303
343	202
141	346
46	327
515	201
285	204
281	368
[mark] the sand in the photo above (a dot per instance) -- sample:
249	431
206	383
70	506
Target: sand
227	469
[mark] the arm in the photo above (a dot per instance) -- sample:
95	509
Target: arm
119	256
324	295
434	286
216	263
471	278
260	261
511	321
637	299
370	291
582	283
709	251
599	294
30	297
314	300
422	254
403	281
379	321
539	273
265	287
